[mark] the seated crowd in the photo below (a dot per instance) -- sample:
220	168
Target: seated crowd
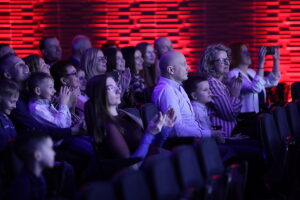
76	110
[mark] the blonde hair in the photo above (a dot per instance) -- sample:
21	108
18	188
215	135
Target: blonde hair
206	64
88	62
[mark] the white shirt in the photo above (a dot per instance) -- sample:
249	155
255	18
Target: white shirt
251	89
44	112
201	115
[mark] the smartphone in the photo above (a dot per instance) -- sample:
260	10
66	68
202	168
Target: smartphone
270	50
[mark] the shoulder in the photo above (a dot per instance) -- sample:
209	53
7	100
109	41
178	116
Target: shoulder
234	72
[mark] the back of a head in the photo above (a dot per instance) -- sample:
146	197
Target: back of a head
162	45
6	65
109	44
236	50
128	54
111	55
33	62
35	80
5	49
43	42
27	143
167	59
8	88
80	43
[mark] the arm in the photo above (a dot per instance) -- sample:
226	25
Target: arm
24	120
226	106
55	117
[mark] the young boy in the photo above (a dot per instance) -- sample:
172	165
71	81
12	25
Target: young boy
9	95
36	151
197	88
41	88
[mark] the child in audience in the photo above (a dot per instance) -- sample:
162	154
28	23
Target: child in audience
197	88
9	95
36	151
41	88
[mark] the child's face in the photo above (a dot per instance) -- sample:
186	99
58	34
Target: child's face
47	90
202	93
47	154
7	104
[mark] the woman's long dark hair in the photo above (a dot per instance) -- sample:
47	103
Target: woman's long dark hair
97	106
111	55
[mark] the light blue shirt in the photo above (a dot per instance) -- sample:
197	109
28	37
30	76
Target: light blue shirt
170	94
201	116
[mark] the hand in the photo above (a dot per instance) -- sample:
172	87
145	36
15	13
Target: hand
77	129
218	135
156	124
262	57
64	95
170	118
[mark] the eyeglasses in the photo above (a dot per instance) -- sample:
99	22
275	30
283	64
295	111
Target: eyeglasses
102	59
71	74
222	60
112	88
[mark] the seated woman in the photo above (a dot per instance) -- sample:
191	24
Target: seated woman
36	64
226	102
93	62
116	63
114	136
254	82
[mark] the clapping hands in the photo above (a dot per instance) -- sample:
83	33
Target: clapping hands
160	120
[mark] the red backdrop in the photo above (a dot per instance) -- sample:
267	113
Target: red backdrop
190	24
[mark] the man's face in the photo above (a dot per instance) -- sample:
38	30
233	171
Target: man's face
52	50
180	69
19	71
7	104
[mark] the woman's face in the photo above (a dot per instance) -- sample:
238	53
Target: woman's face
149	57
120	62
82	80
138	61
113	92
43	67
221	63
245	55
101	62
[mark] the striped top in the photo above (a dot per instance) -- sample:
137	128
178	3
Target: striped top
224	108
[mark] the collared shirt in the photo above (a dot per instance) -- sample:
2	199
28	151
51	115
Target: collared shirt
251	88
7	131
170	94
224	108
44	112
137	83
201	115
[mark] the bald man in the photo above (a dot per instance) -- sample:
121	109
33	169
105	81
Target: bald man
169	93
80	44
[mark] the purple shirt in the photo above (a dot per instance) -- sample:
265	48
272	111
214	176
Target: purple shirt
224	108
170	94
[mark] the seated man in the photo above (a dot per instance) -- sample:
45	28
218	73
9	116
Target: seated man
169	93
51	50
80	43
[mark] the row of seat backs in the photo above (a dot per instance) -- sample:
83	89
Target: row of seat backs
191	172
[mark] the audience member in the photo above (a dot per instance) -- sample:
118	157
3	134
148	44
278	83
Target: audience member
9	94
254	82
148	72
226	101
36	64
36	151
51	49
109	44
41	89
80	44
93	62
114	135
5	49
169	93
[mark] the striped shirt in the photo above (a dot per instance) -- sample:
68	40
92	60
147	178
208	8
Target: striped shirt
224	108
